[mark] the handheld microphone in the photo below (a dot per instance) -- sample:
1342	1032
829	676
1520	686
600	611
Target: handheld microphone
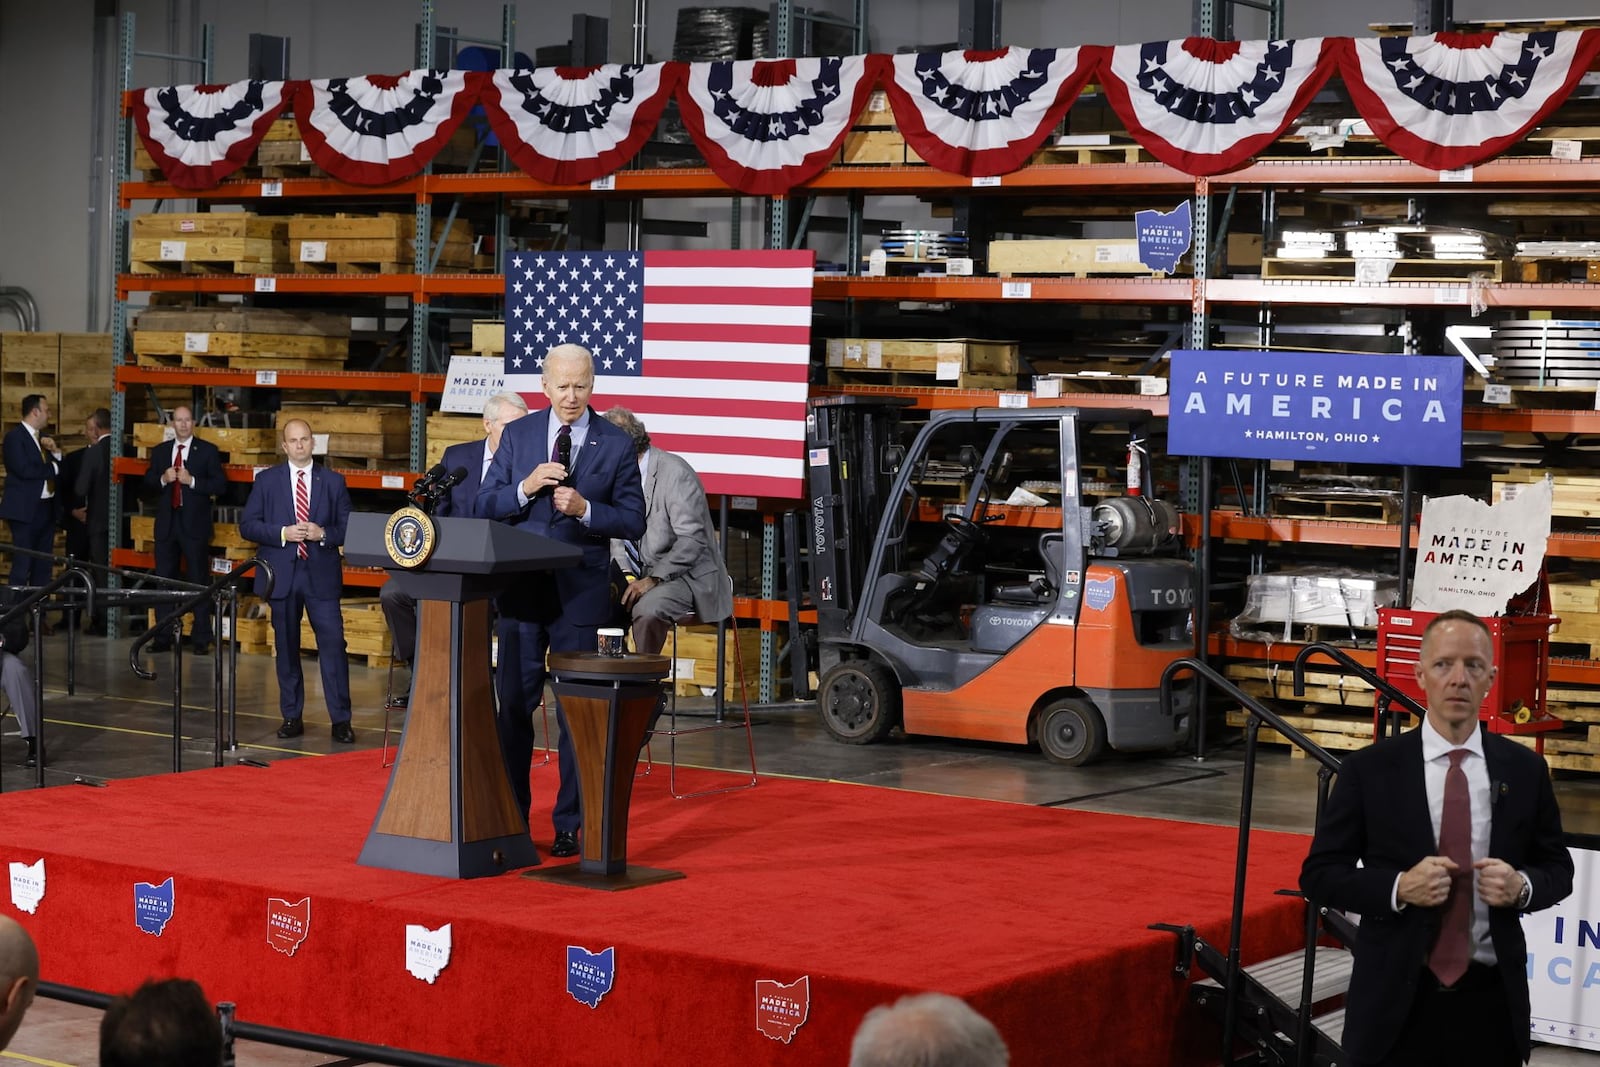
564	456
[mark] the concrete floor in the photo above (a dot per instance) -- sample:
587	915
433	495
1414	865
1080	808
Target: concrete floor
116	726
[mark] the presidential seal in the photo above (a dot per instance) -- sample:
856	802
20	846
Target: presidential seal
410	536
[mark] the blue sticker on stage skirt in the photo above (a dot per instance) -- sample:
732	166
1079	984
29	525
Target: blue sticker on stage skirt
1164	236
1324	407
589	974
152	906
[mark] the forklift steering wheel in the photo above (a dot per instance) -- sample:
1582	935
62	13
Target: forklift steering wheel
966	531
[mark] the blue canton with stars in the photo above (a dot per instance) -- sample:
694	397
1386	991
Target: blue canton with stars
594	299
567	118
1216	109
776	125
988	104
1469	97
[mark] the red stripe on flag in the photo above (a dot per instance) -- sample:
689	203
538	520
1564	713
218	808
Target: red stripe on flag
733	332
754	485
742	259
738	295
711	372
749	446
701	406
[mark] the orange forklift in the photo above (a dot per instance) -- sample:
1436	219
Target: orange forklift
1021	584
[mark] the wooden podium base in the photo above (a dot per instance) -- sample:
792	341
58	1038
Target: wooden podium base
607	701
449	809
631	878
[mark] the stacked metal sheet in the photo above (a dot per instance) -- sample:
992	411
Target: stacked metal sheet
1547	352
924	244
711	33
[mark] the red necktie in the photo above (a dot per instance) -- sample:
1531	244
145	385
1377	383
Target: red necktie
177	486
1453	949
302	507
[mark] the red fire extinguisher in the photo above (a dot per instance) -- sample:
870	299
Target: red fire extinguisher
1136	467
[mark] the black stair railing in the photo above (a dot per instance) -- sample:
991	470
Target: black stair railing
224	682
33	602
1385	694
1258	715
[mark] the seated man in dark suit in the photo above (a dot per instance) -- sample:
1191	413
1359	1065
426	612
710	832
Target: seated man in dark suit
474	457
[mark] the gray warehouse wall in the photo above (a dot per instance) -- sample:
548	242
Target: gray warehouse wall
48	206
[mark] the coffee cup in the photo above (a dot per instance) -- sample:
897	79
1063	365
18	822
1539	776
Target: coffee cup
610	642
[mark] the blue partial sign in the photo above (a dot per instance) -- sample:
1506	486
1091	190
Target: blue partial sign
590	974
152	906
1321	406
1164	236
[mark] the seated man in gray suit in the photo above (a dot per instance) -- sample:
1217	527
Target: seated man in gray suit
676	567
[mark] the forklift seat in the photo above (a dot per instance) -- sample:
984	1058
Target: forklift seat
1043	589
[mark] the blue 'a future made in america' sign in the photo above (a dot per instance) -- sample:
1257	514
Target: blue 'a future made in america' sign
1324	406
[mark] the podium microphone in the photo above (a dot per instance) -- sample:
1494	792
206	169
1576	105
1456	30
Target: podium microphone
425	484
450	481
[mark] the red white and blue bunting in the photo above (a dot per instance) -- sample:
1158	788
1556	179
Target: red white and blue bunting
1204	106
983	113
766	126
1451	100
570	125
200	134
378	128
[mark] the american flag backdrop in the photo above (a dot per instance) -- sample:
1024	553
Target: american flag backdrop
709	349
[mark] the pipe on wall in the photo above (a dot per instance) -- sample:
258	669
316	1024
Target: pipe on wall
22	305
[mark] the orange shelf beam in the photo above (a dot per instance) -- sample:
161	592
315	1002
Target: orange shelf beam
132	467
413	385
1288	530
940	287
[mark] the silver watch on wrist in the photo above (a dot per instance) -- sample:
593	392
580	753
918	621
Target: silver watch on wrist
1525	897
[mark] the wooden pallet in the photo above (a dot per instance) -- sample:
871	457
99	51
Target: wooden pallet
1340	635
1275	268
1092	154
1068	256
916	380
1376	507
208	264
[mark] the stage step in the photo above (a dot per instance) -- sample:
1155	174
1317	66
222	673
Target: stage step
1280	976
1273	987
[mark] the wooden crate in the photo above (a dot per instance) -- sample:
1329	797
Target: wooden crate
224	241
366	633
22	352
877	148
1079	257
1575	495
238	444
488	337
944	358
369	433
86	380
356	242
444	430
697	656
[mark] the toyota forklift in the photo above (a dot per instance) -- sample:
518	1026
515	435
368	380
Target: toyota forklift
1022	583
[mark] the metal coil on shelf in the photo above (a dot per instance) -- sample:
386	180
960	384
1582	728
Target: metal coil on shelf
923	244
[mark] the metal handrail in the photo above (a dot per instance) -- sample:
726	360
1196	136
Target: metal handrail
172	623
1388	692
1258	714
234	1030
30	605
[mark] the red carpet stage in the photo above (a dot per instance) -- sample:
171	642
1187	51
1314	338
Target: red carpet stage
1036	916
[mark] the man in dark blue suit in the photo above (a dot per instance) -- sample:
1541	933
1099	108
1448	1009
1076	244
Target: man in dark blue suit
29	502
595	496
184	474
400	608
1440	838
297	513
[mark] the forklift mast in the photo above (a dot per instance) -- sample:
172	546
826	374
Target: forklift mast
850	442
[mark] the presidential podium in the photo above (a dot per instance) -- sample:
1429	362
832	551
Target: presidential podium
449	809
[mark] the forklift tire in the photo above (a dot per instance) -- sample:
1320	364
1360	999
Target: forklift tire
859	702
1072	732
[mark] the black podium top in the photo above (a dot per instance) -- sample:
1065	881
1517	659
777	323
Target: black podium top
465	546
